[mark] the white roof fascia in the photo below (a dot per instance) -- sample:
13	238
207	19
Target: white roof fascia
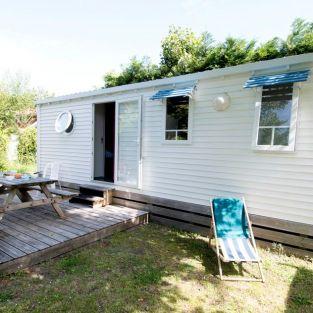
233	70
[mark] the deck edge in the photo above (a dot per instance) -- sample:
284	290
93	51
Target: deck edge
70	245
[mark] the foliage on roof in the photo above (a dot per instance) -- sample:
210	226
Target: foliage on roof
184	52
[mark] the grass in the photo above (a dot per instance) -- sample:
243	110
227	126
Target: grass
155	269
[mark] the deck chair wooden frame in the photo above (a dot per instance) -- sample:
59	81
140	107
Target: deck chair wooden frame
218	250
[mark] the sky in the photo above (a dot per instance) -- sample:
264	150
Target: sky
66	46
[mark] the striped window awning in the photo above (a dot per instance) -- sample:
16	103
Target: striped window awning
168	93
283	78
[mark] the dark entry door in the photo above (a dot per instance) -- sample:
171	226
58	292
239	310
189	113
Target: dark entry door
109	142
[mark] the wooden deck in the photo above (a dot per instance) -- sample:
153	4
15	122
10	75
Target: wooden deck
31	235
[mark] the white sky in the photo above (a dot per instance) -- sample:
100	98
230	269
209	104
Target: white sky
66	46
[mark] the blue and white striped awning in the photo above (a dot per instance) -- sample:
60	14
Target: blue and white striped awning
283	78
168	93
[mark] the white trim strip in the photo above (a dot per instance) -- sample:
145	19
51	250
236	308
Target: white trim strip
242	68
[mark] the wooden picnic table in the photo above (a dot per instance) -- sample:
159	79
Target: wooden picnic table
21	188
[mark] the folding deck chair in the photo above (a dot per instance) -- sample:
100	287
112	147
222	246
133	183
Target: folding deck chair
234	240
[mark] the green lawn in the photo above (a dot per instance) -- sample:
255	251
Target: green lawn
155	269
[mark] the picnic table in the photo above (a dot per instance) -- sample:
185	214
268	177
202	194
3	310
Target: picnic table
21	187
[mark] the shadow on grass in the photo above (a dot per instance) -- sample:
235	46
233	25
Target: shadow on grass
147	269
150	269
199	249
300	296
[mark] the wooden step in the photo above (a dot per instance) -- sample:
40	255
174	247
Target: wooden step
98	191
93	201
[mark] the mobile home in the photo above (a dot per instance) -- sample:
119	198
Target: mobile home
245	130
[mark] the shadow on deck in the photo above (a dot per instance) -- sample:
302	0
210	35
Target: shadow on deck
32	235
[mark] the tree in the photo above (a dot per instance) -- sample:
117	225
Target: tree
183	52
16	110
232	52
301	38
17	103
136	71
272	49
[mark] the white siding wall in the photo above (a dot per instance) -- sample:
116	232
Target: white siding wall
73	151
219	160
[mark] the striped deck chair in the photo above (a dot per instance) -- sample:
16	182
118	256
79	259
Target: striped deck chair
234	240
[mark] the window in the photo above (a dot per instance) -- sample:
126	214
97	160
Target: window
177	114
275	116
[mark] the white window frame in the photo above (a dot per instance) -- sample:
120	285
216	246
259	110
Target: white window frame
292	127
190	124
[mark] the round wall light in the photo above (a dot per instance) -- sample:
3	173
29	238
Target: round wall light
64	122
221	102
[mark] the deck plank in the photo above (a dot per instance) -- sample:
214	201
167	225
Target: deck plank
23	237
15	242
93	216
120	215
81	221
34	220
22	228
4	257
111	213
69	222
55	238
92	213
56	222
11	250
122	211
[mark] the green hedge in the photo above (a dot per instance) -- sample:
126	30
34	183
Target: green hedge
27	146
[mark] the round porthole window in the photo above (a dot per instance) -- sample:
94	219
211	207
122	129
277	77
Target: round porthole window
64	123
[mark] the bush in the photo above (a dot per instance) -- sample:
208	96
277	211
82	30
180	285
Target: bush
3	150
27	146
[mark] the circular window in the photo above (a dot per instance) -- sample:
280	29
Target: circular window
64	122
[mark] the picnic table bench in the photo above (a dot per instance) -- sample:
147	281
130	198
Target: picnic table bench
21	188
62	193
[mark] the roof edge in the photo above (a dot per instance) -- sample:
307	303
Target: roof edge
232	70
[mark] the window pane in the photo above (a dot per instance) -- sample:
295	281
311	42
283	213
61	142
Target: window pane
281	136
277	92
275	113
265	136
170	135
181	135
177	113
128	124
